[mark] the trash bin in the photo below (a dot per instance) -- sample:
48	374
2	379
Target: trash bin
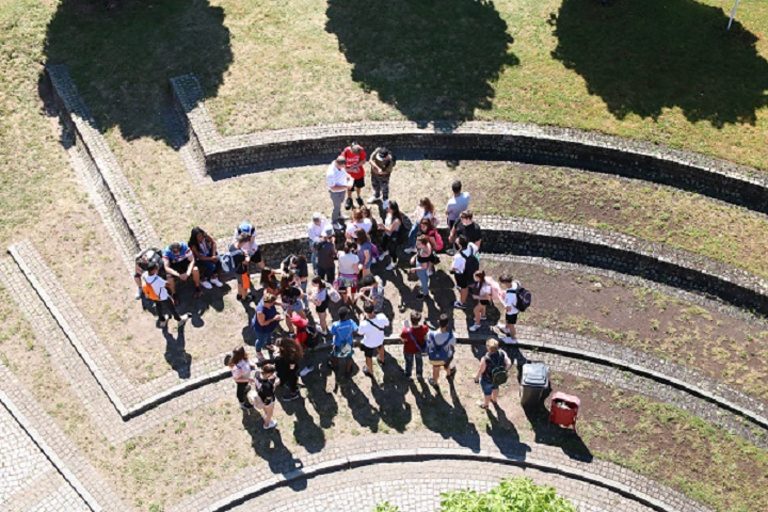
564	410
534	384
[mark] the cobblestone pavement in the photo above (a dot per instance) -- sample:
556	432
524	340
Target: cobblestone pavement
28	480
416	487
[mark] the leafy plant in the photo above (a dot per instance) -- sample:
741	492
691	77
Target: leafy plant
386	507
511	495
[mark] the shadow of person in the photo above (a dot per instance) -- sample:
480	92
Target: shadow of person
389	395
175	353
644	56
450	420
504	434
306	432
121	59
552	435
432	60
268	444
360	406
316	383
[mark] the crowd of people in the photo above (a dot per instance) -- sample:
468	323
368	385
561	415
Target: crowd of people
350	255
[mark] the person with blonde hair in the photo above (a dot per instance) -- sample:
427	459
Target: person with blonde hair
492	372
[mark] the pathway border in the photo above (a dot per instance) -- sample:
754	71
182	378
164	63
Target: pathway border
227	156
118	206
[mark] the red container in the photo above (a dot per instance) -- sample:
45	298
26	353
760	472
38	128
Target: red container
564	409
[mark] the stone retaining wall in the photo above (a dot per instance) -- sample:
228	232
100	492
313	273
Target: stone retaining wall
474	140
125	214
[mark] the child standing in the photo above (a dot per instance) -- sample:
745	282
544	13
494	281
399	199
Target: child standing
342	352
266	381
414	336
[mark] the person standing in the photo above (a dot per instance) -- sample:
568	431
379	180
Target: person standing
241	370
287	358
264	322
422	264
493	362
441	345
469	228
393	234
425	210
343	340
354	156
414	338
482	292
338	182
245	250
463	268
511	310
382	164
372	329
315	231
154	288
266	381
321	299
326	257
456	204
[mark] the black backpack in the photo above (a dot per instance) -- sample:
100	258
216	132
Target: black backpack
523	299
498	371
149	257
471	264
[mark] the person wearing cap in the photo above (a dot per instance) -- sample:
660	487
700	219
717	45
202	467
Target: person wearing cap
247	250
337	180
382	163
510	288
315	231
354	158
326	256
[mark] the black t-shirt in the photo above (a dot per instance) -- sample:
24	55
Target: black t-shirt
472	231
290	295
325	254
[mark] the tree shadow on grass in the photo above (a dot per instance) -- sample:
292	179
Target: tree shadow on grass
121	59
433	60
644	56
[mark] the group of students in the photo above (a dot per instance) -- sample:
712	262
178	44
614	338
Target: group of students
342	253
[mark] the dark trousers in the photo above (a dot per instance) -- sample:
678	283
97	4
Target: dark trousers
327	274
291	380
391	244
242	392
164	305
409	364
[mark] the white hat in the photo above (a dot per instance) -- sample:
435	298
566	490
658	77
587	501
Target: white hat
514	286
316	216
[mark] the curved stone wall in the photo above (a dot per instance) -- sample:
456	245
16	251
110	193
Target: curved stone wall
476	140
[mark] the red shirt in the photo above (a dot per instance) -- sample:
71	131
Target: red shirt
355	162
301	328
420	333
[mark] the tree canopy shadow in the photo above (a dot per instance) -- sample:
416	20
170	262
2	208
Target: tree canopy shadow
434	60
644	56
121	58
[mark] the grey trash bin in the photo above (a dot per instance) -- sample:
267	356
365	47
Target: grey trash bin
534	384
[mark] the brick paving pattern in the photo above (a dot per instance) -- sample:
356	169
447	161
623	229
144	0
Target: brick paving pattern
416	487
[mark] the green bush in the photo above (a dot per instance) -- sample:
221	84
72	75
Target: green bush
511	495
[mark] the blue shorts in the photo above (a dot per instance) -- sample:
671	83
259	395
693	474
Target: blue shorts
487	387
263	339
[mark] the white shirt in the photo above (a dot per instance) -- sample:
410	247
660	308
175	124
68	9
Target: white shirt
460	258
157	283
365	225
456	205
242	370
510	302
373	337
250	247
348	262
315	231
336	177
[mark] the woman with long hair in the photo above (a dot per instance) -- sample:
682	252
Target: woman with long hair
482	291
241	373
393	233
206	257
425	210
269	282
287	359
422	264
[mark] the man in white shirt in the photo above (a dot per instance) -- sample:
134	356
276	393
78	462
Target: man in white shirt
509	297
372	329
154	288
457	204
337	180
315	232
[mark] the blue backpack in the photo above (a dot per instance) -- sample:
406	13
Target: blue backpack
439	352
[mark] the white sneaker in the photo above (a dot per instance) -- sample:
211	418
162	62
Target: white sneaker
373	199
383	255
184	318
206	285
475	328
216	282
409	250
385	204
502	327
163	323
138	294
391	266
272	424
306	371
509	340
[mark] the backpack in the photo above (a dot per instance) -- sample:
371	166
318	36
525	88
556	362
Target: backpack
523	299
333	294
471	263
439	244
149	256
439	352
498	371
149	291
